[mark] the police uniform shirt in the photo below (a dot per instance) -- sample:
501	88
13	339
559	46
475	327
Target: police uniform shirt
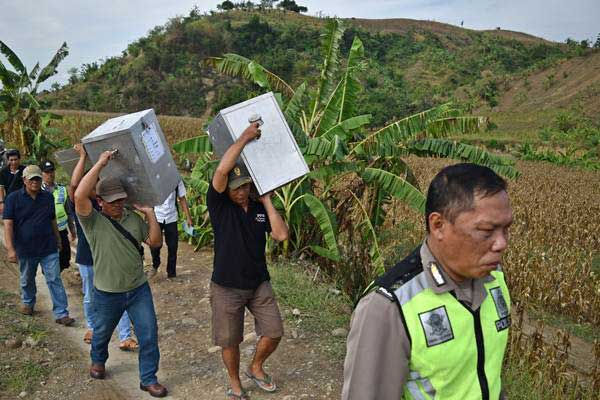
378	349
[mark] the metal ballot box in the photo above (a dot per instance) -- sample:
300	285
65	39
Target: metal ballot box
69	158
143	161
272	160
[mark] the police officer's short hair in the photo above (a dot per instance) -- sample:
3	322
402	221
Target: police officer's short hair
453	189
12	153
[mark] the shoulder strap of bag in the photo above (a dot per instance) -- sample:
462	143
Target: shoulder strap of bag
126	234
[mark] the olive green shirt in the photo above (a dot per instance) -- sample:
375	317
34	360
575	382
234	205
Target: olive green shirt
118	266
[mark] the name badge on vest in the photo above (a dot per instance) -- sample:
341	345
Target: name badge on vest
260	218
501	308
436	326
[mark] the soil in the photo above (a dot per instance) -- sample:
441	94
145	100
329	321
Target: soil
190	366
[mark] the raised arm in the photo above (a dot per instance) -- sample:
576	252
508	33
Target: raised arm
227	163
279	229
78	172
83	205
154	231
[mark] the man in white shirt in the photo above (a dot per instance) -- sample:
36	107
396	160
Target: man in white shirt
167	216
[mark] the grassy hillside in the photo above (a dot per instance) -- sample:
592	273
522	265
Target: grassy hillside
413	65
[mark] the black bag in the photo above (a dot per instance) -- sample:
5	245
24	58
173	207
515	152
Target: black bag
126	234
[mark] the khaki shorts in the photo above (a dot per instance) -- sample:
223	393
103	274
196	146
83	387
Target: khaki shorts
228	309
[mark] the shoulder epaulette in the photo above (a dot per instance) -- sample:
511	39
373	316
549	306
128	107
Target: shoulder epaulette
402	272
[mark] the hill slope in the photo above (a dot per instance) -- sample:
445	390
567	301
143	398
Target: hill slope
412	65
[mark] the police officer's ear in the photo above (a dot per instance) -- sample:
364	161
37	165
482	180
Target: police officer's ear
437	223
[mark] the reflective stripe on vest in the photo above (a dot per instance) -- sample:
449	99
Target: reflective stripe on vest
456	353
60	198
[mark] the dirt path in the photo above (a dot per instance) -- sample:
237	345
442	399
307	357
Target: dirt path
190	367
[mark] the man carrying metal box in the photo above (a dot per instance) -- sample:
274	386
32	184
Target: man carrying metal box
115	235
240	278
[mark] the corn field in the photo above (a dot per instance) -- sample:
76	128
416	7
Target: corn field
76	124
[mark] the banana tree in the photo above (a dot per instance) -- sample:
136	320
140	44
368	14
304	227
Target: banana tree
355	172
23	123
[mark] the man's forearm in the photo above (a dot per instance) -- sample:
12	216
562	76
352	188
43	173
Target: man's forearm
279	229
8	235
56	232
231	155
185	207
154	232
88	182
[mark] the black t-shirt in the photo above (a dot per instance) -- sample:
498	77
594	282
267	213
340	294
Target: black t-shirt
239	241
11	182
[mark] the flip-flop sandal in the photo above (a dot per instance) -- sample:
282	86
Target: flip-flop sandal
128	345
232	396
265	384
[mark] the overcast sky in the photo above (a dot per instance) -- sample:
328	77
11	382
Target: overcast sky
35	29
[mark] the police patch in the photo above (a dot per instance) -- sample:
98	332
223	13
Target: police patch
501	308
436	326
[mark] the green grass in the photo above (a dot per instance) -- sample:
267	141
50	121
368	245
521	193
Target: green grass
22	372
321	310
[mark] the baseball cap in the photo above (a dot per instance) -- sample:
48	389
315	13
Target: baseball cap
47	166
238	176
110	189
32	171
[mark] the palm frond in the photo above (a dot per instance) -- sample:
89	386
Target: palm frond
51	69
351	85
199	144
238	66
444	127
326	222
348	125
330	49
396	186
14	60
384	140
374	251
464	152
324	148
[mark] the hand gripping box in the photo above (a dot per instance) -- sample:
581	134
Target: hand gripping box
272	160
143	161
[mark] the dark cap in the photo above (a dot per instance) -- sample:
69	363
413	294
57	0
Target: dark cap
47	166
110	189
238	176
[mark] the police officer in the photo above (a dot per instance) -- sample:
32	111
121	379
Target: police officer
437	324
64	220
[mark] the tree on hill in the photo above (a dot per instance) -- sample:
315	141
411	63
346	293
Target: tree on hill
291	5
226	6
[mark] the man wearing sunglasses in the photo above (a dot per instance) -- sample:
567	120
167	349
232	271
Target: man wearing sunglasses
115	235
31	238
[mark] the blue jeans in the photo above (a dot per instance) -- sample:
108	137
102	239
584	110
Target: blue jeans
108	308
28	267
87	284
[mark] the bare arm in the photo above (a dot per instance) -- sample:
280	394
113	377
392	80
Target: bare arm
78	172
83	205
186	210
227	163
154	232
279	229
9	242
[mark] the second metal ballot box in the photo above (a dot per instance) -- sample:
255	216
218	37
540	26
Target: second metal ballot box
274	159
